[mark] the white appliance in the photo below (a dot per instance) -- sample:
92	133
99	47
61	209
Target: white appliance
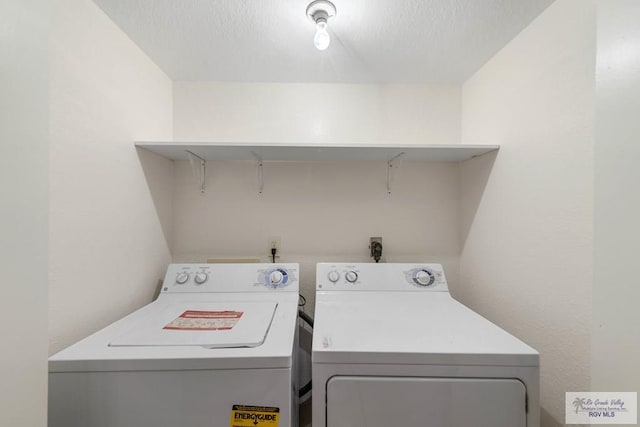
391	347
215	349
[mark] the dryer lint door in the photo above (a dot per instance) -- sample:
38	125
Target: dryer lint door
433	402
209	325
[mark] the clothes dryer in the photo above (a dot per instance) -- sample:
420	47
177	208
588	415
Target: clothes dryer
391	347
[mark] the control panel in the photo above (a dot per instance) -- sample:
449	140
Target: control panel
194	278
380	277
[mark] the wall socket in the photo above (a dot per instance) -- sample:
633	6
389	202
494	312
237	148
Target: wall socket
274	242
373	240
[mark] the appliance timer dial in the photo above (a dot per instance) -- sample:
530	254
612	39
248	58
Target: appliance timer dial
423	277
200	278
351	276
275	277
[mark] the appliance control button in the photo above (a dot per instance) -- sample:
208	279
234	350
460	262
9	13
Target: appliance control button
276	277
334	276
182	278
423	278
351	276
200	278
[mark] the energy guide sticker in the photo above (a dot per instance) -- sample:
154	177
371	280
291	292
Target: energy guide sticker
194	320
254	416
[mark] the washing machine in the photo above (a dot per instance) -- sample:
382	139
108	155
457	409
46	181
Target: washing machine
216	348
391	347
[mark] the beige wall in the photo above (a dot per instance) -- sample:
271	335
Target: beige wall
326	210
107	245
321	212
616	318
24	158
527	235
300	113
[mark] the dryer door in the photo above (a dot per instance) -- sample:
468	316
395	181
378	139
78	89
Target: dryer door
434	402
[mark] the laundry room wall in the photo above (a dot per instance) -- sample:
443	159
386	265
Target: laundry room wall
24	159
321	211
616	319
320	113
527	230
108	247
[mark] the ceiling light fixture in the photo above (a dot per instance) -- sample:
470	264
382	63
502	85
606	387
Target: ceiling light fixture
319	11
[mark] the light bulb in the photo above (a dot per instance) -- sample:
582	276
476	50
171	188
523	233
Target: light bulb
322	38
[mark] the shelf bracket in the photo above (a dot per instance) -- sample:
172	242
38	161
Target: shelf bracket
258	171
391	165
203	169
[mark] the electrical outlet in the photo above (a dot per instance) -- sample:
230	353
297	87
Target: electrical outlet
375	247
374	239
274	243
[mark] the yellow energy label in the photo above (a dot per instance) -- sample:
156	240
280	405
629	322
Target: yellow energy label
254	416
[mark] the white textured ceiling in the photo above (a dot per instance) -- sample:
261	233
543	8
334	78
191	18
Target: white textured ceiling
383	41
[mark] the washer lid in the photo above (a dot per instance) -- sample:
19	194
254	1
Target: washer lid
209	325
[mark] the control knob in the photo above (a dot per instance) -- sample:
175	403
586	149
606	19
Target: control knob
351	276
200	278
276	277
334	276
182	278
423	278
